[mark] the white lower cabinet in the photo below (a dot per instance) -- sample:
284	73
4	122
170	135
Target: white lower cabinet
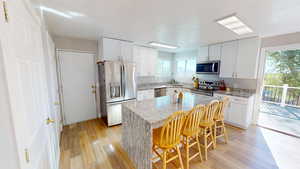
145	94
239	111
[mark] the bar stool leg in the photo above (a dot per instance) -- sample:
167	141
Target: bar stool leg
199	147
187	152
180	158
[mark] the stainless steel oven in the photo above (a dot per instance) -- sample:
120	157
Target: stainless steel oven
210	67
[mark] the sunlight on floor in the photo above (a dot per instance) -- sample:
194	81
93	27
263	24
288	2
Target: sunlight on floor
285	156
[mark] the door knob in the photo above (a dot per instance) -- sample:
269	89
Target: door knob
94	91
93	86
49	121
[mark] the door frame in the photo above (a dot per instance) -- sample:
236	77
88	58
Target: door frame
60	85
261	75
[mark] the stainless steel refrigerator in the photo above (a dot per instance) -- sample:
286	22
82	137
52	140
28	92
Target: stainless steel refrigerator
117	82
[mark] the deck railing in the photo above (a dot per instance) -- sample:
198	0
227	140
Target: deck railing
283	95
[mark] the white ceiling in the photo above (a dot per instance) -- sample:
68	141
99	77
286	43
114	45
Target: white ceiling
186	23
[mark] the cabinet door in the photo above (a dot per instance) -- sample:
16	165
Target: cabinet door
137	60
247	58
127	51
228	59
115	114
170	91
140	95
215	52
203	54
237	114
111	49
145	59
150	61
149	94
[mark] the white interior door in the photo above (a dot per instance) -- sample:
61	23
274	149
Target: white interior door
54	114
78	79
24	67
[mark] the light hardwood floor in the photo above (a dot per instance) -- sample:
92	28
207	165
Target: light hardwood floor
91	145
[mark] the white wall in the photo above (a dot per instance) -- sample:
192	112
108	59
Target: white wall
8	149
281	40
75	44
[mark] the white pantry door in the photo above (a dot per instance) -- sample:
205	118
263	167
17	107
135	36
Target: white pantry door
26	80
78	80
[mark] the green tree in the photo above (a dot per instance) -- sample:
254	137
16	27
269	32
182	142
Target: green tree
285	68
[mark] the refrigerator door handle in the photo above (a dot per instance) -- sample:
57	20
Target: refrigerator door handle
124	83
123	80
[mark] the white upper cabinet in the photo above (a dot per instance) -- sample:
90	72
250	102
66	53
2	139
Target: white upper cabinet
228	59
115	50
247	60
145	59
239	59
110	49
126	51
203	54
151	61
215	52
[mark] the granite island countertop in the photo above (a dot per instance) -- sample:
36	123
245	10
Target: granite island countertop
156	110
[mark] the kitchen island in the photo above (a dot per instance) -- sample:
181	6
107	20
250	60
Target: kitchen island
139	118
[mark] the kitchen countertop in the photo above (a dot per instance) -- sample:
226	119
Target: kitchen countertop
156	110
158	85
246	93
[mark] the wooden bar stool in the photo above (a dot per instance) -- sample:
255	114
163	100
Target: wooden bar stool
190	132
207	123
219	120
167	138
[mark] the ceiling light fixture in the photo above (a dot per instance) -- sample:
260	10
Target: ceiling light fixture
76	14
54	11
162	45
234	24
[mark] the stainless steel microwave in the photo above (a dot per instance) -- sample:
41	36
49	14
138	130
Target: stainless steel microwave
209	67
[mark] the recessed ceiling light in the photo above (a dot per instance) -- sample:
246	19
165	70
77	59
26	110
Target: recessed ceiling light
234	24
54	11
162	45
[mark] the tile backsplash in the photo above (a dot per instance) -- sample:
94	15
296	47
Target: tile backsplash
241	83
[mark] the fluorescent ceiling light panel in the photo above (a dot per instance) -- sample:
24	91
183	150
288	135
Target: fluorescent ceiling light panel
75	14
234	24
157	44
242	30
54	11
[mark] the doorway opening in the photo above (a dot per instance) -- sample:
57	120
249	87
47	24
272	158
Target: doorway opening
280	99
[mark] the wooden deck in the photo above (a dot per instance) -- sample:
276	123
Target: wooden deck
92	145
284	119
